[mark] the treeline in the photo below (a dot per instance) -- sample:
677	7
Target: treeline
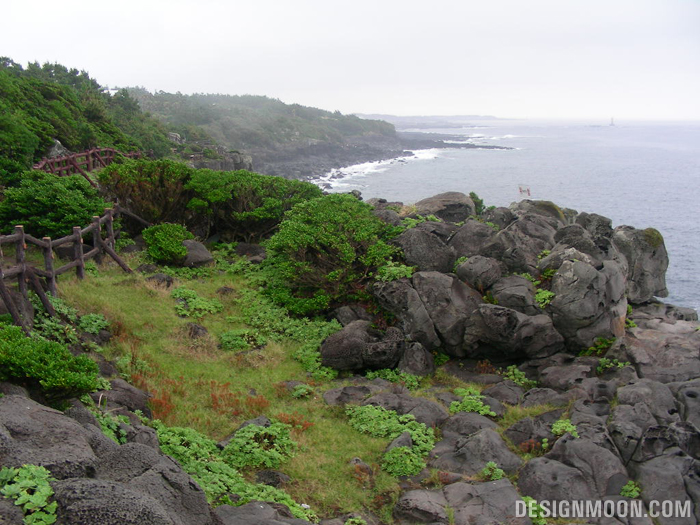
41	103
252	123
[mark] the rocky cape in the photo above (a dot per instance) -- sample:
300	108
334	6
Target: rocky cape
468	299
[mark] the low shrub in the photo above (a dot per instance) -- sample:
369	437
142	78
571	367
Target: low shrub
164	242
491	472
240	340
562	426
402	461
44	364
410	381
256	446
192	305
471	402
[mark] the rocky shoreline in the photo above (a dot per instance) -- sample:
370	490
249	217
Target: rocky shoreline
560	296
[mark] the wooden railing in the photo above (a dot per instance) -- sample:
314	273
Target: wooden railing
29	276
82	163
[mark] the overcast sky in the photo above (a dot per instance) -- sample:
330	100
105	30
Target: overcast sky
510	58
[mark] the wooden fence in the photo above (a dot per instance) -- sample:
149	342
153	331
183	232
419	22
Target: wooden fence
30	277
82	163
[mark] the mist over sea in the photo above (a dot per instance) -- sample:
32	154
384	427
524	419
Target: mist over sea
636	173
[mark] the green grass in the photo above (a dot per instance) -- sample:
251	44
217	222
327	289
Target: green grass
195	384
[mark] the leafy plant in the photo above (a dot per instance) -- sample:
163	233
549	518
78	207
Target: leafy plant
478	203
513	373
491	472
240	340
192	305
489	298
402	461
29	486
256	446
631	490
543	297
392	271
459	262
410	381
543	254
562	426
164	242
600	346
607	364
44	364
301	391
323	250
471	402
93	323
534	511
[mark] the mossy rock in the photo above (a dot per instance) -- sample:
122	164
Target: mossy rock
653	237
551	209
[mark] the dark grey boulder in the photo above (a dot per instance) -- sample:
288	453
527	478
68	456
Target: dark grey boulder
401	299
599	227
466	424
450	304
506	392
256	513
349	313
546	479
577	237
501	217
31	433
470	454
385	352
627	425
388	216
661	440
10	514
442	230
426	251
451	206
517	293
554	215
655	395
664	356
688	396
532	430
402	440
416	360
124	395
160	279
498	332
646	258
352	394
253	252
471	238
544	396
358	346
421	506
197	254
479	272
490	503
92	501
566	376
588	303
273	478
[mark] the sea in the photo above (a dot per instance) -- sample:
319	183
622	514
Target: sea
642	174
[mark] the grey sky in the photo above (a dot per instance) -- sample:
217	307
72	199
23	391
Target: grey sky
509	58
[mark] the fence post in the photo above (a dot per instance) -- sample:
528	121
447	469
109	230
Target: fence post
21	246
96	233
109	212
78	252
48	264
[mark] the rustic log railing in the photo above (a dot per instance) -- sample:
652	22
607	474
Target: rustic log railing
29	276
83	162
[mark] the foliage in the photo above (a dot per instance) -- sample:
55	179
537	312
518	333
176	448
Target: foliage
412	222
471	402
241	339
562	426
489	298
606	364
459	262
243	204
256	446
543	254
631	490
324	248
530	278
543	297
93	323
164	242
45	364
600	346
49	206
534	511
410	381
355	521
379	422
192	305
392	271
478	203
513	373
201	458
491	472
302	390
440	358
402	461
111	425
29	486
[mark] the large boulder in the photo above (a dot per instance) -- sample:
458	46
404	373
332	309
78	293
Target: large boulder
517	293
469	455
450	304
647	260
451	206
426	251
496	332
425	411
197	254
402	300
479	272
471	238
357	346
588	303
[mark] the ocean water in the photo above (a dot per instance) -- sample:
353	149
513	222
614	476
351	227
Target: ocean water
635	173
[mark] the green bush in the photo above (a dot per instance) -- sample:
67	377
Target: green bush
192	305
246	205
392	271
164	242
47	205
240	340
93	323
402	461
410	381
513	373
324	249
631	490
491	472
29	486
478	203
44	364
256	446
562	426
471	402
